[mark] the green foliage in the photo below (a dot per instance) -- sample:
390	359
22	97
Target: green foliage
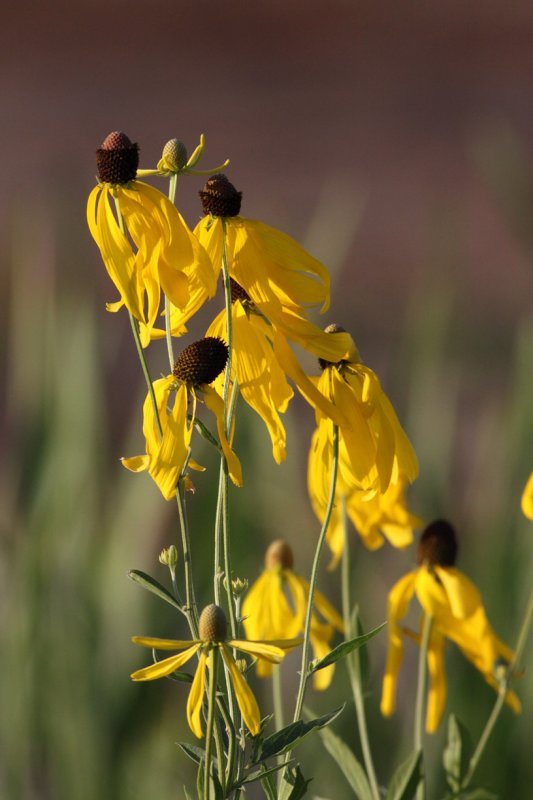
342	650
404	782
347	763
287	738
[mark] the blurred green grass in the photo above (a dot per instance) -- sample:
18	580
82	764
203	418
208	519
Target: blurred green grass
73	522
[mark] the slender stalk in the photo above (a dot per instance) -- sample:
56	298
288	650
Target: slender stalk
504	686
304	673
354	661
191	608
421	694
213	663
277	698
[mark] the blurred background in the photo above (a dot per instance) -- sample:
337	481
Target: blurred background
395	141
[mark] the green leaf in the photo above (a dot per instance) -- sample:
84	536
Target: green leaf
293	785
149	583
360	657
348	763
197	754
343	649
288	737
477	794
405	780
258	774
456	755
187	795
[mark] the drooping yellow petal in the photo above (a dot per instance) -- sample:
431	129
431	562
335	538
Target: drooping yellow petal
166	666
215	404
306	387
196	694
245	698
527	498
463	596
321	678
437	681
115	249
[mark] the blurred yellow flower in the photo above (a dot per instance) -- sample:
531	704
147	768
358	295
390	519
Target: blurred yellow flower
527	498
165	252
275	606
457	612
167	451
213	633
376	516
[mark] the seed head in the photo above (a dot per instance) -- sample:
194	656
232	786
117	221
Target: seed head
220	198
279	554
238	293
202	361
117	159
213	626
437	545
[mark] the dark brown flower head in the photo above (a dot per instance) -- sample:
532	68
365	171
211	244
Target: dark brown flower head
117	159
220	197
238	293
175	153
213	626
333	328
202	361
279	554
437	545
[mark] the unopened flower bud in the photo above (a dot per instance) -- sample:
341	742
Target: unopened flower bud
169	557
175	155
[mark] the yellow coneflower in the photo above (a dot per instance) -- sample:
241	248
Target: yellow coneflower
213	633
269	614
167	450
457	612
164	250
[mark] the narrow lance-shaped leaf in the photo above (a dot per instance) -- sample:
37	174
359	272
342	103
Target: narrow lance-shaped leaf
456	755
197	754
259	774
405	780
348	764
149	583
293	785
288	737
343	649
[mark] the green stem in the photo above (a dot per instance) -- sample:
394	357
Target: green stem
146	372
277	698
504	686
304	673
354	661
213	663
421	694
191	609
